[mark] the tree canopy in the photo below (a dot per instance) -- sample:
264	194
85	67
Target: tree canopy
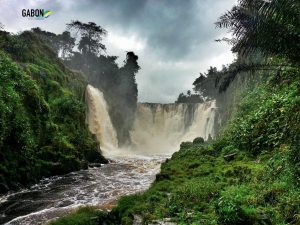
91	36
272	27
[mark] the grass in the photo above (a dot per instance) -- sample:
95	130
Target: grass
82	216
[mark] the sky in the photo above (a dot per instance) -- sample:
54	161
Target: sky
174	39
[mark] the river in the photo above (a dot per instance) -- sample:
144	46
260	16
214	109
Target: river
98	186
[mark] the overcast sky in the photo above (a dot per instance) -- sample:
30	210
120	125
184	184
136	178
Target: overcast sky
174	39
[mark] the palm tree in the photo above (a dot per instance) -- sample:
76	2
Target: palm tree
270	26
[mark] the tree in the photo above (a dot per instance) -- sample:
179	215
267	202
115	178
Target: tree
91	37
66	44
128	72
189	98
207	84
50	38
62	44
125	94
272	27
131	63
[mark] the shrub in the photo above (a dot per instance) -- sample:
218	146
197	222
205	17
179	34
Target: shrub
294	159
83	216
198	140
186	144
234	207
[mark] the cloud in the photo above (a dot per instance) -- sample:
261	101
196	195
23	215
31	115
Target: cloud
173	38
172	28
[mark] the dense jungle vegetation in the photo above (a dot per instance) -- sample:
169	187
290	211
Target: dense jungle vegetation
250	173
42	114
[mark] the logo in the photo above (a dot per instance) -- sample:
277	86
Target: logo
36	14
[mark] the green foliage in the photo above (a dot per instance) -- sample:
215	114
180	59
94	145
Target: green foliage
294	159
83	216
235	206
42	114
198	140
267	125
186	144
189	98
118	84
254	24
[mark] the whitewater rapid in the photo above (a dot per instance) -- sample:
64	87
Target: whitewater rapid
58	195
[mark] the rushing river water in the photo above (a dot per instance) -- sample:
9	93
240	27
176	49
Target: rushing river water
98	186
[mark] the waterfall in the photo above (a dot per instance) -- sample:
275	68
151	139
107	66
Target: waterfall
99	120
157	129
160	128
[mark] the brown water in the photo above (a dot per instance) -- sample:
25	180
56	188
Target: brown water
56	196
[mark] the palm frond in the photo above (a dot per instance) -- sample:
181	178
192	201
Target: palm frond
272	27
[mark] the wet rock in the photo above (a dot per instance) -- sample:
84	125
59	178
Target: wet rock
84	165
137	220
230	157
95	165
3	188
65	203
165	221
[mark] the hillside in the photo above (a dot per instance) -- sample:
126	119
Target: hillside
42	117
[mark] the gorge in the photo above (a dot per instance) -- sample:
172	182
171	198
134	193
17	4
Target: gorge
86	140
157	132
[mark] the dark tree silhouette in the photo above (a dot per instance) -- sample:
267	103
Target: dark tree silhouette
66	44
91	37
189	98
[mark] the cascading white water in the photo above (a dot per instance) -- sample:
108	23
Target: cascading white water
99	120
158	128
